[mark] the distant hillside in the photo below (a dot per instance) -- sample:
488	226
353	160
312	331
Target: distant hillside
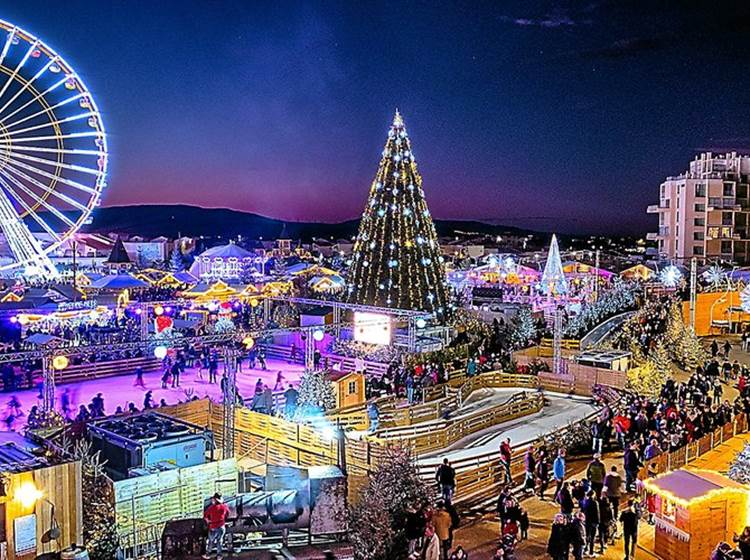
170	220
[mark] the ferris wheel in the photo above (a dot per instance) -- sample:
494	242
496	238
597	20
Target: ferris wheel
53	152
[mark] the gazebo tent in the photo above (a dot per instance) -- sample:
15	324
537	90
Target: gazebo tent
221	262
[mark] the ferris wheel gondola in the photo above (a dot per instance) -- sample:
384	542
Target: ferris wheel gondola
53	152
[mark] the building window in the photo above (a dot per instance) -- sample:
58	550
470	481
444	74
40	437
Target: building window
698	236
700	190
726	247
726	219
352	387
699	221
726	232
698	250
728	189
700	207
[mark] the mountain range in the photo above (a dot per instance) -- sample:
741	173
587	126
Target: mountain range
171	220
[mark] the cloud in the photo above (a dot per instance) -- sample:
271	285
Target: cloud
549	21
630	46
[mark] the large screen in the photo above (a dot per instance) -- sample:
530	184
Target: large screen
372	328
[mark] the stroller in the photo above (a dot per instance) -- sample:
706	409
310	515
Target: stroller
507	549
725	551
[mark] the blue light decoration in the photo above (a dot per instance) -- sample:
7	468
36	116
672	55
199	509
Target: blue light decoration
670	276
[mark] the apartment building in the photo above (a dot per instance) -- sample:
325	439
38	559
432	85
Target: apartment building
703	213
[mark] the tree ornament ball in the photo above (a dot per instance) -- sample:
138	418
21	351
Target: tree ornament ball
158	310
249	342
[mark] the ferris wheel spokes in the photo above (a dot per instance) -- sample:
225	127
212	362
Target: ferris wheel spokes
12	77
29	210
25	247
53	150
39	200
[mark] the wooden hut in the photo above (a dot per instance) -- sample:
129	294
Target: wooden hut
348	387
695	510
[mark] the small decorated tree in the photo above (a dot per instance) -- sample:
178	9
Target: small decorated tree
315	394
224	325
176	264
739	470
378	521
524	330
649	378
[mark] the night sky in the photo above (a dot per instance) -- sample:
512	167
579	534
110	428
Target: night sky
550	115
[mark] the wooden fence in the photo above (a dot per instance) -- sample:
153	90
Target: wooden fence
96	370
687	453
439	435
578	379
347	363
447	398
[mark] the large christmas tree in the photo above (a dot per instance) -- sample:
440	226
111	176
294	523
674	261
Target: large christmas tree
396	260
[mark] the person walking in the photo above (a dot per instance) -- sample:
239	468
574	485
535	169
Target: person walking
442	522
632	465
629	520
613	490
215	517
565	499
558	470
506	455
446	479
727	349
529	462
139	378
714	348
595	473
291	395
577	535
542	473
557	546
590	508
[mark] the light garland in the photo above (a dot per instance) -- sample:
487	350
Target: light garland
396	258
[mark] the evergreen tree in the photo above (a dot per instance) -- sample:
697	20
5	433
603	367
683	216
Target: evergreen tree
378	521
524	330
176	264
315	393
396	260
649	378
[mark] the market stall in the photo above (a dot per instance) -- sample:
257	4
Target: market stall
694	510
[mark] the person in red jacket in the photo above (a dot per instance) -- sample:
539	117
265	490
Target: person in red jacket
216	517
506	454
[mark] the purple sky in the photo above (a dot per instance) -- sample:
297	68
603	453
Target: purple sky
538	113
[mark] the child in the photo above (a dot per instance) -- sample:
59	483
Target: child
523	523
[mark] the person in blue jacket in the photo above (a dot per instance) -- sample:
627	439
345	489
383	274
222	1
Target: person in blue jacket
558	470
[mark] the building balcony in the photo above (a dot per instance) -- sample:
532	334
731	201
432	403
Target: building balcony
656	208
721	206
655	236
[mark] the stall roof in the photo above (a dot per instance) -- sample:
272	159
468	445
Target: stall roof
687	485
118	282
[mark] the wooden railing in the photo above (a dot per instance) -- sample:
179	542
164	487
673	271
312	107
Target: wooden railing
435	407
96	370
438	435
479	478
347	363
687	453
565	343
